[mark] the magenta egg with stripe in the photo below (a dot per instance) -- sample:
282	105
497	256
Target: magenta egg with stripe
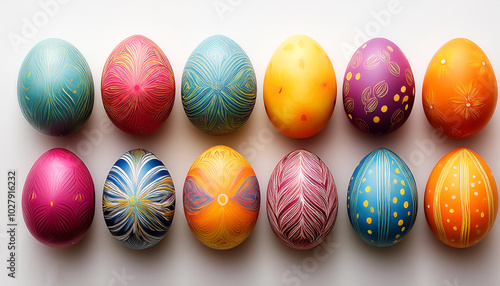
301	200
58	199
138	86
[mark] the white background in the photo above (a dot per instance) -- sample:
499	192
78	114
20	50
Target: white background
419	28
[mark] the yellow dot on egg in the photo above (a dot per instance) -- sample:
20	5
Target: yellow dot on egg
348	76
454	228
447	220
376	119
402	182
405	99
367	189
395	181
365	204
478	232
477	210
397	170
398	236
452	211
409	213
372	209
71	80
363	47
403	228
406	107
395	214
364	179
51	204
403	89
402	192
413	92
395	200
400	222
383	108
358	76
390	48
452	240
482	214
369	232
350	116
396	97
369	220
357	215
405	204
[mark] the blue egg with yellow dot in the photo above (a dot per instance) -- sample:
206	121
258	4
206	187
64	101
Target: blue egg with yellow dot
382	198
55	89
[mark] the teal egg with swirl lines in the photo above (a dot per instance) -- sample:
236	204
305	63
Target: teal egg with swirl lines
218	86
55	89
138	200
382	198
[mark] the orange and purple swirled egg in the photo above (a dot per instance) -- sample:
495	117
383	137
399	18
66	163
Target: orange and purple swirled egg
301	200
58	199
138	86
221	198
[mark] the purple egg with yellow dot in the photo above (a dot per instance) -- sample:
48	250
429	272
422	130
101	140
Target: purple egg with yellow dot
382	199
378	88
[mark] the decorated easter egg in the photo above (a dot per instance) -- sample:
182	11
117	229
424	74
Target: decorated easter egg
55	88
137	86
218	86
460	90
300	88
138	201
301	200
382	198
221	198
58	199
379	88
461	199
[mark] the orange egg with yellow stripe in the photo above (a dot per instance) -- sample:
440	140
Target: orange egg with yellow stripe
221	198
461	199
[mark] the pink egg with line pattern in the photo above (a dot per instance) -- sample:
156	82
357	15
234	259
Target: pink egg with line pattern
301	200
58	199
138	86
379	88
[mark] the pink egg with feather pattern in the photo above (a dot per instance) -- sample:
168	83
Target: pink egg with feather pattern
58	199
301	200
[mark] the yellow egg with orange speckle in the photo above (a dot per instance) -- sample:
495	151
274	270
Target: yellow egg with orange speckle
300	87
461	199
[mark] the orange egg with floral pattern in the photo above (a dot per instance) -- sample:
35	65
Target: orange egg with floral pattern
460	91
461	199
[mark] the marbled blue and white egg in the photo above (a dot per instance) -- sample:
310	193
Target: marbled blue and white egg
138	200
382	198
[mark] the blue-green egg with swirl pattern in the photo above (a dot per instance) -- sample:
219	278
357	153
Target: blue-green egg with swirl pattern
138	200
218	86
55	89
382	198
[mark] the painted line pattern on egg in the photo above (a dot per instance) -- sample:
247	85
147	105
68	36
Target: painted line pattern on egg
219	87
138	199
301	200
138	86
382	198
221	198
461	199
379	88
58	199
55	89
